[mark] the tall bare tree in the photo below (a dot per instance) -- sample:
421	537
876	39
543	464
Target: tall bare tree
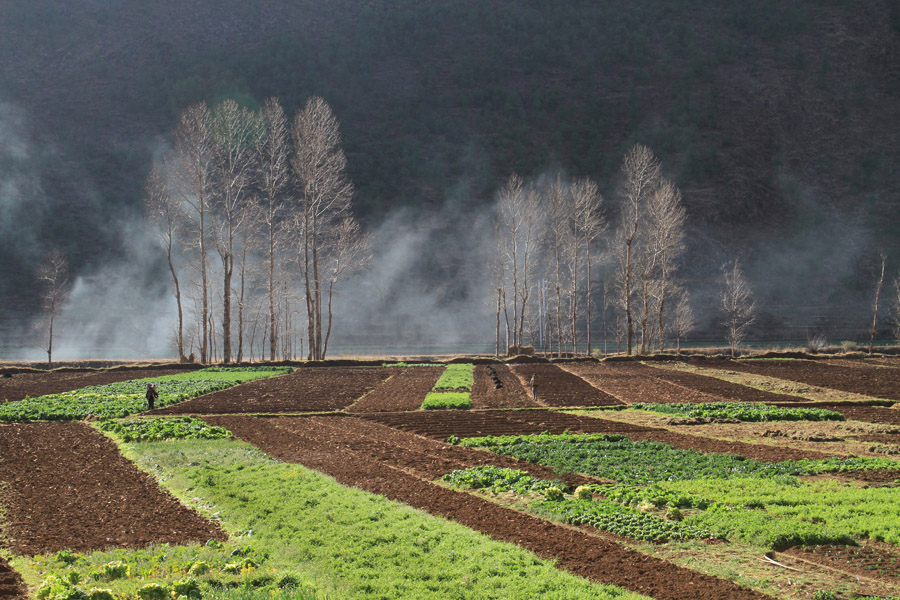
737	304
641	173
53	275
666	216
274	180
325	202
589	226
236	131
560	236
517	230
190	174
878	286
350	253
895	301
162	210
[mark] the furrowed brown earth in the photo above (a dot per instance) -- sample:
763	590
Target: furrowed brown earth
870	381
854	411
633	382
11	584
403	391
441	425
347	457
509	394
872	560
557	387
726	390
309	389
66	486
21	385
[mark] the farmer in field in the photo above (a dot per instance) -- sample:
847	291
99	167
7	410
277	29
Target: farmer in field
534	387
152	395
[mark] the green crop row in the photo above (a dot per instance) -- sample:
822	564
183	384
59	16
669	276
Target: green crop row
741	411
456	377
653	494
178	428
491	441
645	462
602	514
116	400
622	520
404	364
498	479
163	573
447	400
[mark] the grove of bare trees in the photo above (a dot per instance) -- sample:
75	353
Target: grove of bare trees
275	205
551	242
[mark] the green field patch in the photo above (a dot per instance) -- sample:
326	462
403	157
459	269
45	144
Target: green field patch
447	400
405	364
351	543
213	570
741	411
456	377
121	399
177	428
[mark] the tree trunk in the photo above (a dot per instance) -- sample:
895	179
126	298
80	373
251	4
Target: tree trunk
629	322
228	265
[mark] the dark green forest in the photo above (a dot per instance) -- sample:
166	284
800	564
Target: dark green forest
777	120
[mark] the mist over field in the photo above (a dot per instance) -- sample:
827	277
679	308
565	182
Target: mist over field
775	122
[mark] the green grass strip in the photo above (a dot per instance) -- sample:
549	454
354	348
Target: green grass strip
352	543
741	411
447	400
456	377
116	400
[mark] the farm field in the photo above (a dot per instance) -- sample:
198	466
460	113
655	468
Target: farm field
691	497
18	385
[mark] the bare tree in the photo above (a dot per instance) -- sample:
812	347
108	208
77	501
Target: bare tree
560	236
875	304
190	174
736	302
53	275
641	171
683	320
166	214
895	318
517	231
666	216
235	133
350	253
325	203
274	179
589	226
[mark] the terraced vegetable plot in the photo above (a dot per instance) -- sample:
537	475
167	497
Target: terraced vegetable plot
305	390
557	387
368	458
65	486
633	382
718	387
875	382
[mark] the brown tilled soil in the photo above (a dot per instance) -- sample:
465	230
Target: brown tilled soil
870	381
726	390
557	387
441	425
497	387
305	390
20	385
374	459
633	382
69	487
873	560
11	584
403	391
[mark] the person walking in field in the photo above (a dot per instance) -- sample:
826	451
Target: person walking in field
534	387
152	395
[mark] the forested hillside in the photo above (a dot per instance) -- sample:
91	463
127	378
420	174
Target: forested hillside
778	121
